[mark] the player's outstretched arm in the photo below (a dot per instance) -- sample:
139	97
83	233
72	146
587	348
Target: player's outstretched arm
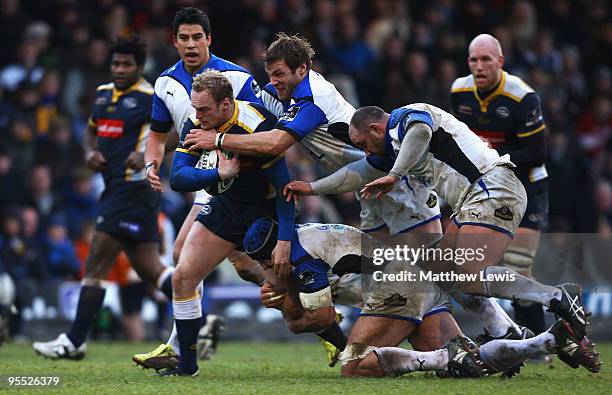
270	143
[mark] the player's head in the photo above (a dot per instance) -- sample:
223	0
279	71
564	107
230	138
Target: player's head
287	61
127	60
486	60
212	97
367	129
260	239
192	37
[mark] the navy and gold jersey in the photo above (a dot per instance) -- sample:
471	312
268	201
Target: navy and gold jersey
252	183
122	120
510	119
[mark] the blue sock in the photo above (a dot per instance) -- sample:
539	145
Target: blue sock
187	331
90	303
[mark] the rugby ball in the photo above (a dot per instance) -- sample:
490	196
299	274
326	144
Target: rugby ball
210	160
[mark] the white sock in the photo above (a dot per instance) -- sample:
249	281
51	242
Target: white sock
504	354
490	314
396	361
521	288
173	339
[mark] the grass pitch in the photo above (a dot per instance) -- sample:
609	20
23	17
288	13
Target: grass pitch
277	368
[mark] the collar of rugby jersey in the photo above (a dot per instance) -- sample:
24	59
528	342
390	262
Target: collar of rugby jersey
484	103
117	93
230	122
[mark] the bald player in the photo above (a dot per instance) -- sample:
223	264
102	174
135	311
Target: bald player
506	112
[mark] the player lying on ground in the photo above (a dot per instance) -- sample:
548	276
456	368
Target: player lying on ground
114	143
487	198
327	260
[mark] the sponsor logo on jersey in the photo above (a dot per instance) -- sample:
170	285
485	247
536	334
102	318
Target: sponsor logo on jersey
504	213
290	114
432	201
129	102
395	300
464	109
306	278
110	128
255	88
502	112
101	101
534	117
205	209
131	227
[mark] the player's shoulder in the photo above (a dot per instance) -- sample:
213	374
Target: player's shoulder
173	70
251	115
144	86
315	86
224	65
105	87
463	84
515	88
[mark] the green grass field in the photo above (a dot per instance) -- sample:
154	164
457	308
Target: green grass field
278	368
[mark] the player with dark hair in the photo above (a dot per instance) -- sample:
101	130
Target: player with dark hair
503	110
114	142
172	107
221	224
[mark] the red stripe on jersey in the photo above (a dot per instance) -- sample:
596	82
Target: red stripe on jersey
110	128
494	139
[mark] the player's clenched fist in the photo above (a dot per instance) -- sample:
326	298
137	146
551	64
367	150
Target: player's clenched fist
270	296
96	161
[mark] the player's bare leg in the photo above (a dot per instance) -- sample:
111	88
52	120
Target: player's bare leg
103	253
434	332
367	334
202	252
184	231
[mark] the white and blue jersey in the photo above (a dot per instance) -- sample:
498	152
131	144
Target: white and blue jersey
456	157
318	116
172	98
342	254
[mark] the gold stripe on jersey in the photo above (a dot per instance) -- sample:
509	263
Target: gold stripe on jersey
186	151
485	103
256	111
91	123
532	132
140	86
244	116
272	162
142	136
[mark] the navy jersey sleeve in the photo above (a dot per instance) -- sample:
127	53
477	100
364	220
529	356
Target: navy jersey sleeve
529	119
184	176
250	91
278	175
301	119
311	276
529	127
161	120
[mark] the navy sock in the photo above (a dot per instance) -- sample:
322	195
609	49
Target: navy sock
166	287
90	303
530	315
335	336
187	331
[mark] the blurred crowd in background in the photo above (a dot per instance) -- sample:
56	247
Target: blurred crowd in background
377	52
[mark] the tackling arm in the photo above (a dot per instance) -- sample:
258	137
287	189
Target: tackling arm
414	145
349	178
270	143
